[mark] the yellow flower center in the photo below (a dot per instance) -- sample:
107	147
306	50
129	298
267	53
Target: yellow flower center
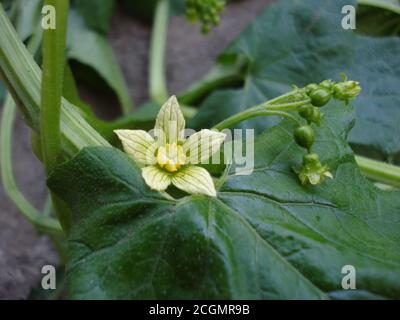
171	157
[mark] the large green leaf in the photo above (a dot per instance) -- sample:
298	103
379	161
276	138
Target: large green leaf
299	42
264	237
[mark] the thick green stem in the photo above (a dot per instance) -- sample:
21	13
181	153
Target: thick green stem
157	85
380	171
41	222
54	43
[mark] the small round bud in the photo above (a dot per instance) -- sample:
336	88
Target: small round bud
316	116
320	97
310	113
306	111
311	87
327	84
346	90
207	12
304	136
311	159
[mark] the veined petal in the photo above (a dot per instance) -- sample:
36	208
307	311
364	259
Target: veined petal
156	178
170	123
202	145
139	145
194	180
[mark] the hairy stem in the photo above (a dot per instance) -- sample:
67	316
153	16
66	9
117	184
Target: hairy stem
157	85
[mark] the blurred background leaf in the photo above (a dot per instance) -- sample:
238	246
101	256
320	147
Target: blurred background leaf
378	17
144	10
87	44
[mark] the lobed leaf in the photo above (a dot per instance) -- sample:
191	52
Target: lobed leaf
264	237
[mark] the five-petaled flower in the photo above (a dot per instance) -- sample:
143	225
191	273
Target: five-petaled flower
169	158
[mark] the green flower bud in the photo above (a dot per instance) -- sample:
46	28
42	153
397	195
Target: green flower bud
320	97
311	159
327	84
304	136
316	116
207	12
346	90
306	111
311	87
310	113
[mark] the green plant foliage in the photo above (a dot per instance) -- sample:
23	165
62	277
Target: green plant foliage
144	10
300	42
378	17
89	20
264	236
93	50
97	14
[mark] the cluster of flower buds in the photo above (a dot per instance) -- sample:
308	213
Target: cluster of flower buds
312	170
207	12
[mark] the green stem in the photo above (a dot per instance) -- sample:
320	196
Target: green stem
41	222
380	171
22	77
261	110
54	43
158	87
251	113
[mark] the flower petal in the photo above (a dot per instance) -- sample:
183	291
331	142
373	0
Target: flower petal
170	123
139	145
202	145
194	180
156	178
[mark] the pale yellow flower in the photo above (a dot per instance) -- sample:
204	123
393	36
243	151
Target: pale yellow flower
170	158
